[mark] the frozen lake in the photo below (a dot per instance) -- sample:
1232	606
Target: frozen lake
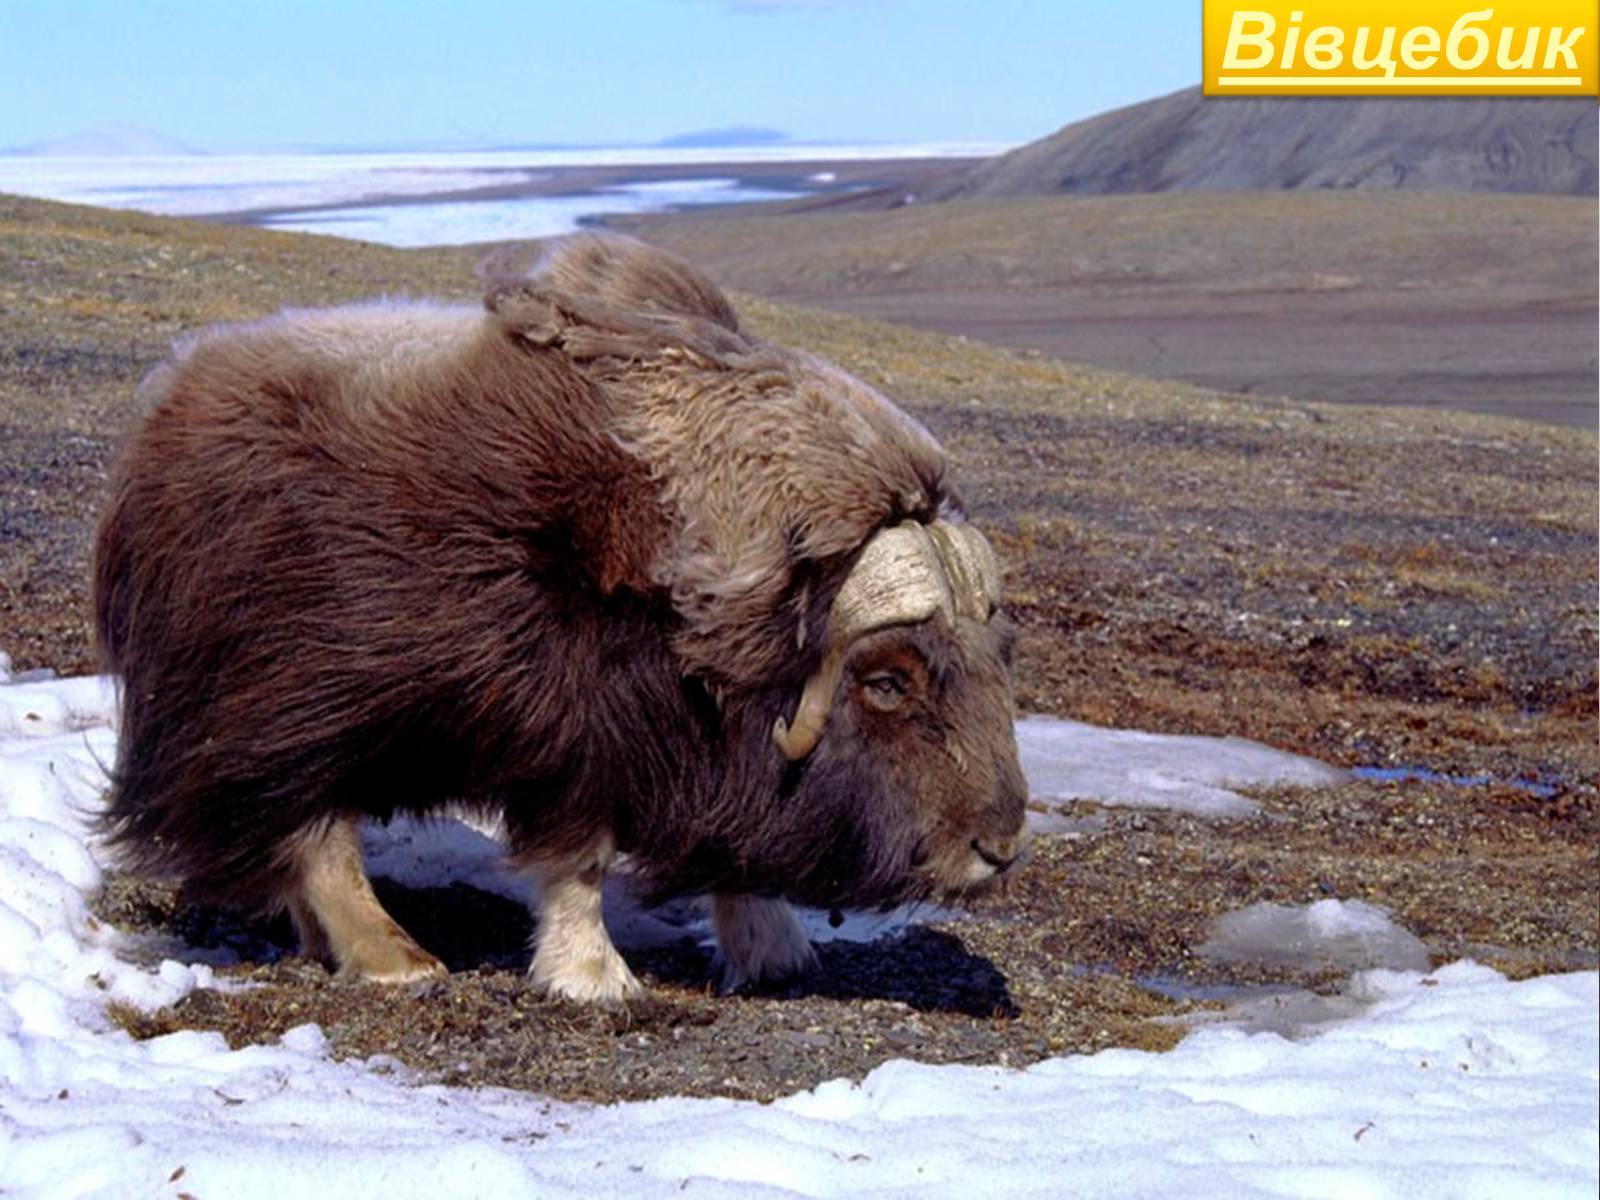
415	199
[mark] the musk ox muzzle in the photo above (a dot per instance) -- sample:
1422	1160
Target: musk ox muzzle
570	560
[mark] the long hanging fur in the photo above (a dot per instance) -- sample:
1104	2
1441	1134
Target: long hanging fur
566	559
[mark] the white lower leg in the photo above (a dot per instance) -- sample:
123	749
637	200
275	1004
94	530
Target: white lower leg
760	939
574	958
336	913
313	941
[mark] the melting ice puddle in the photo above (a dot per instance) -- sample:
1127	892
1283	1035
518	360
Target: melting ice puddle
1330	935
1422	775
1290	1012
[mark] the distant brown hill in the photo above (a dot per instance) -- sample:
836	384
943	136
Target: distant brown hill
1184	141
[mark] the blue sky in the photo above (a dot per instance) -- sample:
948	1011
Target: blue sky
245	75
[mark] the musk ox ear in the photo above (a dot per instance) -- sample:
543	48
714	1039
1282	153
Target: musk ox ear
534	314
582	328
597	296
586	328
626	274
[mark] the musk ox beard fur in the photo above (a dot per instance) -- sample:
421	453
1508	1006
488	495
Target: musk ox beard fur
567	559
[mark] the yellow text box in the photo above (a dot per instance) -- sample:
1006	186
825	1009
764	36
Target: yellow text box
1400	48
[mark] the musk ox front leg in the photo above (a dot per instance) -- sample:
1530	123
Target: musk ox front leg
759	940
574	957
337	915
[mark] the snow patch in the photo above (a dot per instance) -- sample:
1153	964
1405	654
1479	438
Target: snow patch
38	706
1069	760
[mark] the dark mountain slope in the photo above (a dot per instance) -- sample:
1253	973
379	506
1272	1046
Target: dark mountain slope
1187	141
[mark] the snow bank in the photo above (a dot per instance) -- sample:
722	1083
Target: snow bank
1455	1084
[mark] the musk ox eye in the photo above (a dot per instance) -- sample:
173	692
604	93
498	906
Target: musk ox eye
886	690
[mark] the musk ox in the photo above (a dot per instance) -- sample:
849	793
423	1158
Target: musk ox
596	561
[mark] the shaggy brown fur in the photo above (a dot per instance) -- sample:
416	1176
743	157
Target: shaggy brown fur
567	561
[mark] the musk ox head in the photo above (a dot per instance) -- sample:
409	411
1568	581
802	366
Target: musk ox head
905	727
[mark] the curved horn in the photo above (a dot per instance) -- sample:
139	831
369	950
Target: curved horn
971	566
897	580
799	738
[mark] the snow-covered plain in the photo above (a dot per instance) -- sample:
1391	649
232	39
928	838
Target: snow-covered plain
1456	1083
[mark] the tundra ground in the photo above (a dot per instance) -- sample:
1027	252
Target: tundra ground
1475	302
1372	586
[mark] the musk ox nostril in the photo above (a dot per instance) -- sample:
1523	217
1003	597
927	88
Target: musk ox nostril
999	855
